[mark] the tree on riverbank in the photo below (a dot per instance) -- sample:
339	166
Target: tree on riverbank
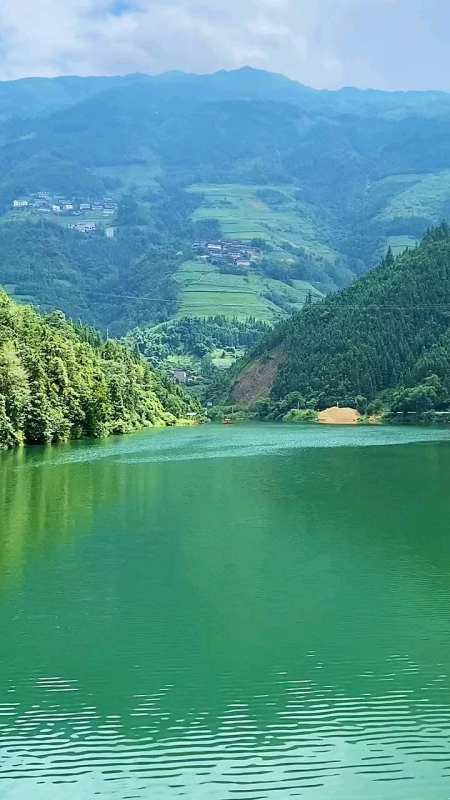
59	381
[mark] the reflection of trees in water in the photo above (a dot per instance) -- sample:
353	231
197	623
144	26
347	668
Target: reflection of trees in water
208	583
47	496
38	508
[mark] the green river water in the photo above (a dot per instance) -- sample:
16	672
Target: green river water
236	613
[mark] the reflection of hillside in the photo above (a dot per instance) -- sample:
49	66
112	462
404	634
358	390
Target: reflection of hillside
40	508
212	582
47	497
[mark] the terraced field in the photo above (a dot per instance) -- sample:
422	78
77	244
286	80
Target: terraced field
242	214
426	196
204	292
399	243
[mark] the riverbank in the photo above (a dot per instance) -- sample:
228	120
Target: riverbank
182	422
418	418
334	415
339	416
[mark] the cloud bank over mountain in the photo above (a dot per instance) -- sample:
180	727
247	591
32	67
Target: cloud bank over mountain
387	44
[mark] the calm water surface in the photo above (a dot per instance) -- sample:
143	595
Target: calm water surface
232	613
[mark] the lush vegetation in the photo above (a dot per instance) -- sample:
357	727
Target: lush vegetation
195	337
205	290
324	181
59	381
297	238
300	415
325	177
111	283
382	343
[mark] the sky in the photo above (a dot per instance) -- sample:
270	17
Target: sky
385	44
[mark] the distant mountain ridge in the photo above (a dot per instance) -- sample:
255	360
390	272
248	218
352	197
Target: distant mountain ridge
30	96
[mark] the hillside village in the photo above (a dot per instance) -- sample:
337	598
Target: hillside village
61	207
227	252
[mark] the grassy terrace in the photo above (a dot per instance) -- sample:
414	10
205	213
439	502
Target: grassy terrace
207	292
399	243
424	196
243	215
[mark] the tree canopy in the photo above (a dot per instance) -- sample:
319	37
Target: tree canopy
60	381
387	333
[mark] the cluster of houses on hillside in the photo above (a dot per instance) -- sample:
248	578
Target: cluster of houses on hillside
83	227
226	252
59	205
91	227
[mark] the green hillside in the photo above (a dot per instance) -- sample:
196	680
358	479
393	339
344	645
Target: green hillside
327	180
205	291
113	284
346	161
274	213
390	329
60	382
424	196
398	244
200	346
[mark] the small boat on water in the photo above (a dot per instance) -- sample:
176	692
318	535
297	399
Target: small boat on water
227	421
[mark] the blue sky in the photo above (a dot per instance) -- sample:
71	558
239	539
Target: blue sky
386	44
120	7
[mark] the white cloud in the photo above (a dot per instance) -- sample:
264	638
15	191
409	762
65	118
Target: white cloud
388	43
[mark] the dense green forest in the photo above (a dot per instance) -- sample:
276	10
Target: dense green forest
384	341
195	337
60	381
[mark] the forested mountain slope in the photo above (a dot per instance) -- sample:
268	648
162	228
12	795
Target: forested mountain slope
113	284
367	157
59	382
390	329
325	180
